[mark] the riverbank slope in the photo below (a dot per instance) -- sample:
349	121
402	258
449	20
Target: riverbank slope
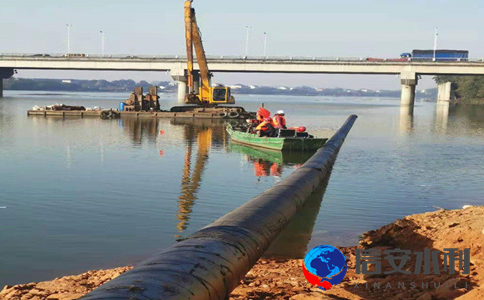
283	279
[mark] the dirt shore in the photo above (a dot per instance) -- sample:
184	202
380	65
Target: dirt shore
283	279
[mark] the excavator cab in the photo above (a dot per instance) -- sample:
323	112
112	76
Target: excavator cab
222	95
216	95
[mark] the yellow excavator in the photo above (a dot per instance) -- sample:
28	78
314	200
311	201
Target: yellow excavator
200	90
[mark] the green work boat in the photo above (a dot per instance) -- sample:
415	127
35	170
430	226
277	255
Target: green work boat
289	143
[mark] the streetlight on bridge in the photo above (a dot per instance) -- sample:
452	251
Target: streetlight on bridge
436	37
265	44
103	33
247	40
68	38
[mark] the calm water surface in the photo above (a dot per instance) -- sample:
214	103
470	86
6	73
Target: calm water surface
87	194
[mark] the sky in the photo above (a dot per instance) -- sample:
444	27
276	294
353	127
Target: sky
347	28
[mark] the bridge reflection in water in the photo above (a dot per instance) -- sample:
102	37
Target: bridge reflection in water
406	120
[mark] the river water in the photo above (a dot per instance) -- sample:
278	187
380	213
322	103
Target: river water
85	194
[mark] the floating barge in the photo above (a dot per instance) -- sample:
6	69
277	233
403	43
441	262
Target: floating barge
138	114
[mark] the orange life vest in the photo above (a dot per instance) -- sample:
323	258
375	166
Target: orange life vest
279	122
265	125
263	113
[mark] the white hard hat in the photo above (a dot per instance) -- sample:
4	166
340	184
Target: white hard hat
280	112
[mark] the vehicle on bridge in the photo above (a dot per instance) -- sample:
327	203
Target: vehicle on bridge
386	59
41	55
75	55
440	55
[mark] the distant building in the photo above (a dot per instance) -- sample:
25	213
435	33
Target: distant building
161	87
252	87
282	88
235	87
66	81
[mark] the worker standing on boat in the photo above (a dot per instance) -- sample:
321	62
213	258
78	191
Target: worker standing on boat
266	128
279	120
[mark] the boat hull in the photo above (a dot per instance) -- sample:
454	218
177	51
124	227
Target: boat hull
274	143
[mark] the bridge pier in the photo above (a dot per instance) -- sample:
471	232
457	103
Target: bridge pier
409	82
182	81
4	74
182	91
444	92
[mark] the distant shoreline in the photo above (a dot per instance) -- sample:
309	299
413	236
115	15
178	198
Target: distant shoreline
127	86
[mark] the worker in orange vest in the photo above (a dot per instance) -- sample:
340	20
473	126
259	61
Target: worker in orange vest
279	120
263	113
266	128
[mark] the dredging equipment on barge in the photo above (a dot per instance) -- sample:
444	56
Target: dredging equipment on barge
140	105
201	94
202	101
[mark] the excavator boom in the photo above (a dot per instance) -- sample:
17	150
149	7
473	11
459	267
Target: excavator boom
189	44
206	95
202	60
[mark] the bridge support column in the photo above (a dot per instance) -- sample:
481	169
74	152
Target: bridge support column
4	74
181	79
182	91
444	92
409	82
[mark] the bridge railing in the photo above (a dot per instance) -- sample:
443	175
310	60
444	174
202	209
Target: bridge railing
227	57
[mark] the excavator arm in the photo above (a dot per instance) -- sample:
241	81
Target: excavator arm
206	95
189	43
205	91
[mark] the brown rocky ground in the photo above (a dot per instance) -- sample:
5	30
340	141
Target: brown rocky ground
283	279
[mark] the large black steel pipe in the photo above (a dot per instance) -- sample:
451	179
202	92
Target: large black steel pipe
210	263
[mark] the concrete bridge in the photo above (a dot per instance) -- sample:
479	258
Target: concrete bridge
408	70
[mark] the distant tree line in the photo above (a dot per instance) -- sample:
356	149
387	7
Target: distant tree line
128	85
310	91
27	84
467	89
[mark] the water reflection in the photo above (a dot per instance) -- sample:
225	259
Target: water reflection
442	109
270	162
294	240
192	177
141	129
406	120
459	120
206	134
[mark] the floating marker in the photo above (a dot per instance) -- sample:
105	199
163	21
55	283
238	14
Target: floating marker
162	132
162	153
